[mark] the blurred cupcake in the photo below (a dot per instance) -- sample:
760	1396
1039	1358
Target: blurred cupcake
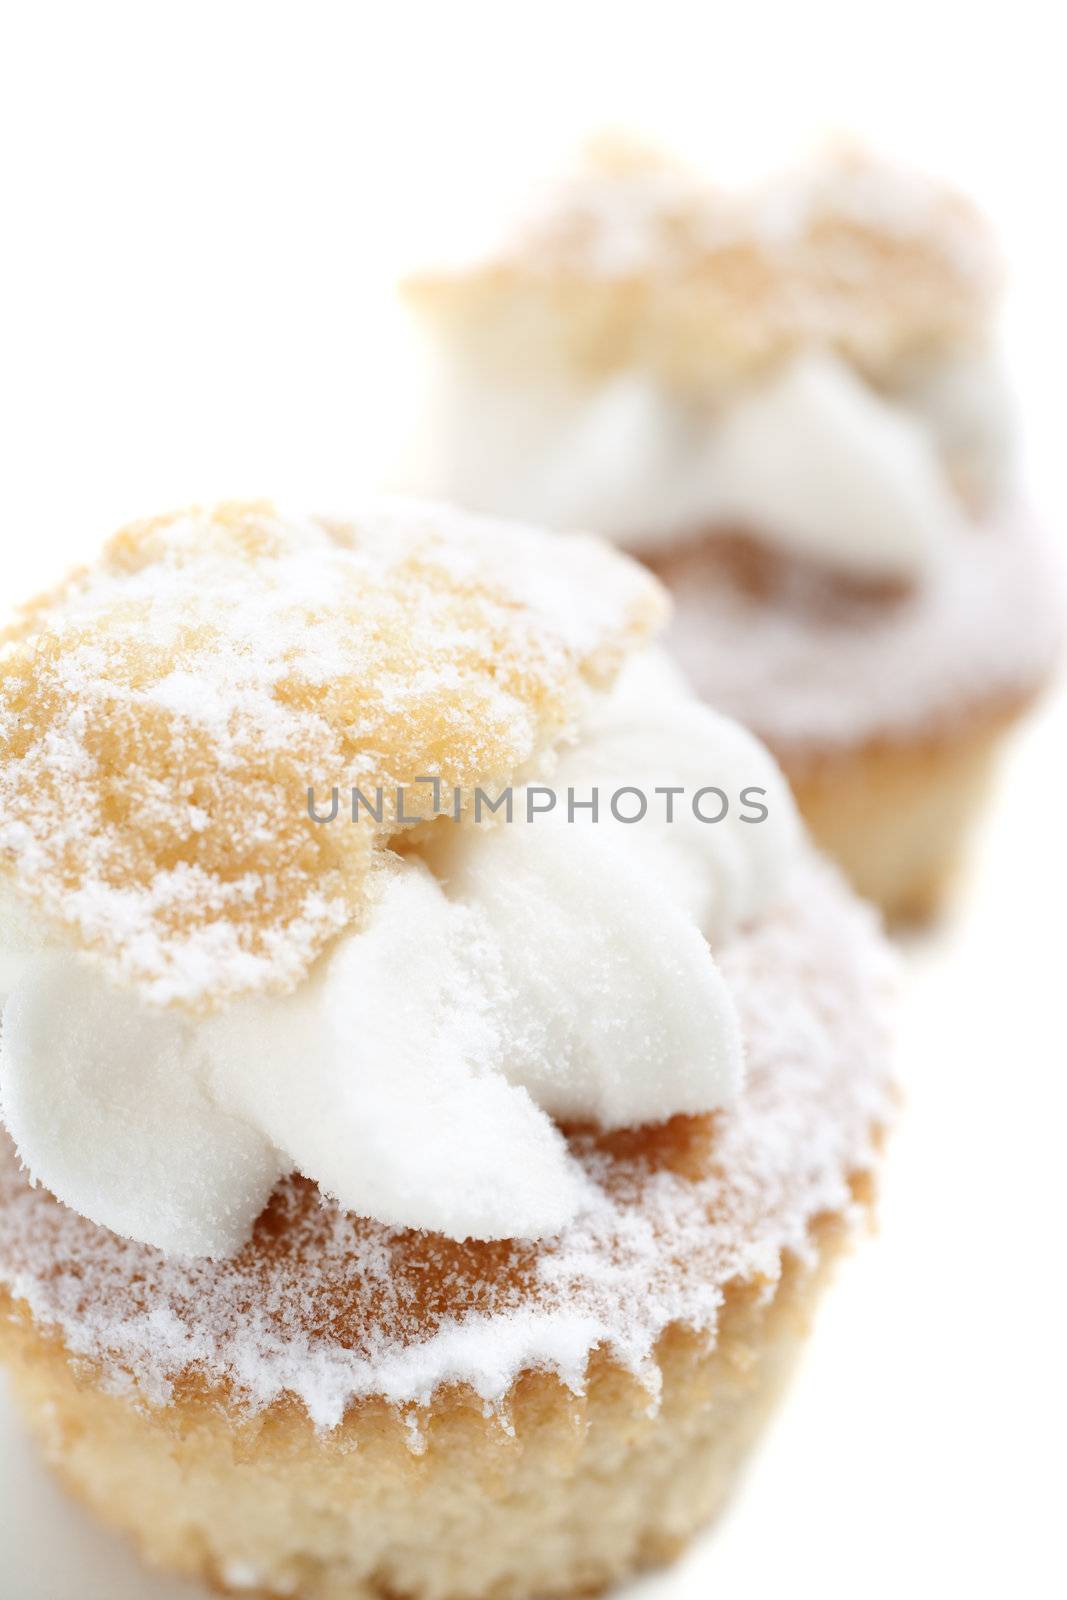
402	1199
789	404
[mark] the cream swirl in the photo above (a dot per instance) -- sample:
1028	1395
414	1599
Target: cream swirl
505	976
810	458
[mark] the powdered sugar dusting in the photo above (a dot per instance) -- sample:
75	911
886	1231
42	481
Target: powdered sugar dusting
631	211
647	269
415	1074
163	715
808	675
328	1307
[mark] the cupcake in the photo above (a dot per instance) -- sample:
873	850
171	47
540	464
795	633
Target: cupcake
437	1072
789	404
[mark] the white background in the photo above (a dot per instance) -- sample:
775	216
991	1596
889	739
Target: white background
203	210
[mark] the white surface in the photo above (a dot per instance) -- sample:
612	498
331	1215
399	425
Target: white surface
203	206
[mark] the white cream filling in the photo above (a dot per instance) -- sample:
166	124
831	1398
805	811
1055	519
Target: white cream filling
812	459
967	403
540	970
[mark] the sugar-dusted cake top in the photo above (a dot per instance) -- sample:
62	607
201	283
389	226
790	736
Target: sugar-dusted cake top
164	713
401	1003
637	261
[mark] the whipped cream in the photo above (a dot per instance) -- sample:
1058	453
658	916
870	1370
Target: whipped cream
337	1310
968	405
812	459
505	976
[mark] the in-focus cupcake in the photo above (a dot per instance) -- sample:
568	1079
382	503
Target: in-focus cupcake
789	403
413	1182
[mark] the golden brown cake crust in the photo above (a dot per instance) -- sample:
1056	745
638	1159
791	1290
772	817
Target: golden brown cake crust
571	1493
647	266
164	714
897	816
